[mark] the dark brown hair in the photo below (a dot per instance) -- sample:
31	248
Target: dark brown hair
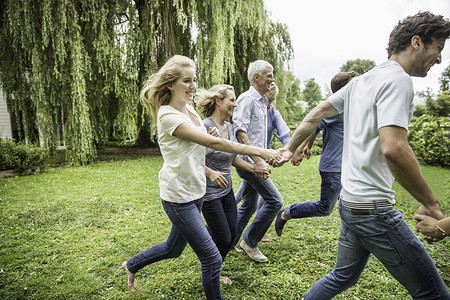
340	80
424	24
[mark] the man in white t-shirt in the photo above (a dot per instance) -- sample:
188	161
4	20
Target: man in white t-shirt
377	108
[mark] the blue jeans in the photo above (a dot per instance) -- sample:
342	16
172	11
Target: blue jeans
386	235
329	193
187	227
221	216
238	194
265	215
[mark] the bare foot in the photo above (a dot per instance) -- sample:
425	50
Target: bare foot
132	283
266	238
225	280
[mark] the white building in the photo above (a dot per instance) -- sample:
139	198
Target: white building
5	119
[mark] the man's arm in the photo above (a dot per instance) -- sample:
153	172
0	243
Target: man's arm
306	127
260	164
404	167
283	130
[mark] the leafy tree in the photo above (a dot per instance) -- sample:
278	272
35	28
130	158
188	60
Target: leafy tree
445	79
439	107
80	64
311	94
419	110
360	66
287	102
257	37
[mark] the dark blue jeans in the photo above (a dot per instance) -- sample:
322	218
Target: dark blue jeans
187	227
221	216
385	234
265	215
329	194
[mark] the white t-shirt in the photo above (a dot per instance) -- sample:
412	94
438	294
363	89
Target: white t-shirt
381	97
182	177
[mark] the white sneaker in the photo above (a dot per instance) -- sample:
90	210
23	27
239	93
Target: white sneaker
254	253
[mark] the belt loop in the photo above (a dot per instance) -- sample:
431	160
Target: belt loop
374	204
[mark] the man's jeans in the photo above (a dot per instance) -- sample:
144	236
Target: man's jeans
384	234
265	215
187	227
329	193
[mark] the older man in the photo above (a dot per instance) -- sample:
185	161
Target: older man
250	126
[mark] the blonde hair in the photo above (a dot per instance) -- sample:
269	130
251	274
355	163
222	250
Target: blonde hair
155	91
206	100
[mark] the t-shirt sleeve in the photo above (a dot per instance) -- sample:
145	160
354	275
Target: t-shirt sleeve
169	121
394	103
337	99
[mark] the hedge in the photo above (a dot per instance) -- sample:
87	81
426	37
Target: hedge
18	156
429	138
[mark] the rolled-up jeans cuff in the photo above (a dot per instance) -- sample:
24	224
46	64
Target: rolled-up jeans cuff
287	212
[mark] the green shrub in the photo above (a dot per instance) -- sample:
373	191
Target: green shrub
20	156
429	138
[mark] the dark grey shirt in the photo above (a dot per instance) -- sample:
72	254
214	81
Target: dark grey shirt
218	161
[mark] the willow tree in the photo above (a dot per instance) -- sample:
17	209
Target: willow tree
80	64
258	37
63	63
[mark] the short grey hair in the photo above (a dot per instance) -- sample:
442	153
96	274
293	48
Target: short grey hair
257	67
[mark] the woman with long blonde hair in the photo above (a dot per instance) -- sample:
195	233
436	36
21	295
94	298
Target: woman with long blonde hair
182	139
219	207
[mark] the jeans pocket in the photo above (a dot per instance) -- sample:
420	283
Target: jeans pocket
385	249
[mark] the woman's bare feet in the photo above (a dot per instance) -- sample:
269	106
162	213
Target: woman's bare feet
266	238
132	283
225	280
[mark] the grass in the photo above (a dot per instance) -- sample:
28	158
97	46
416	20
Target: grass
65	232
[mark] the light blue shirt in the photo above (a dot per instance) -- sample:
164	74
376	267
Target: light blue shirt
250	116
276	121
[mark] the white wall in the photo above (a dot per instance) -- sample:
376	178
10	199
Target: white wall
5	121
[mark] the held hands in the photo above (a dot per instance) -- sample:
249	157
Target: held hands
285	156
262	171
425	225
297	158
299	154
434	213
307	152
270	155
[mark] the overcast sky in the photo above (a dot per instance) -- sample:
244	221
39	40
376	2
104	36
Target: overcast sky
327	33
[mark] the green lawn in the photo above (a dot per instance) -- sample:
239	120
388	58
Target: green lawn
66	231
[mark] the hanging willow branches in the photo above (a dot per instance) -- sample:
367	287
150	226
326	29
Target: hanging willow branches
79	64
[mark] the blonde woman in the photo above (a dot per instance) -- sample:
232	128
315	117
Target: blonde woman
182	140
219	206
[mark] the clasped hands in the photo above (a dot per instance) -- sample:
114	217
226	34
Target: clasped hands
425	219
286	155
